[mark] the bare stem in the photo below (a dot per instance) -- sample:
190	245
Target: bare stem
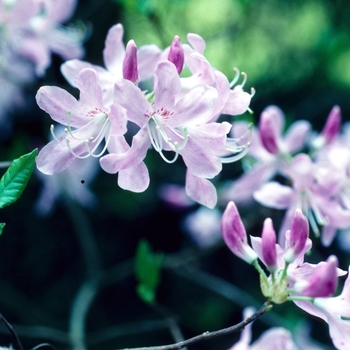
210	335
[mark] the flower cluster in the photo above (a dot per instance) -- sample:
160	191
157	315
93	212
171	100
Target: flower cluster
179	116
310	286
30	30
314	169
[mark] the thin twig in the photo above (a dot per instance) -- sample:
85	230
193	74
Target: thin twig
210	335
13	333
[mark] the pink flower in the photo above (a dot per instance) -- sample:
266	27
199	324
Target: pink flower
173	122
270	150
89	121
34	30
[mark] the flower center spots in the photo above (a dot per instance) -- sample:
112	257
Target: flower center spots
159	130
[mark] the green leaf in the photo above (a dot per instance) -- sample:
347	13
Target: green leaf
2	225
16	178
147	271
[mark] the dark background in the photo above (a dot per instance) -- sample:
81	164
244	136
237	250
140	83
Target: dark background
296	55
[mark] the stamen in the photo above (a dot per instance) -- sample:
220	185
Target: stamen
52	130
244	75
236	77
99	123
233	146
252	92
320	218
166	159
157	134
313	223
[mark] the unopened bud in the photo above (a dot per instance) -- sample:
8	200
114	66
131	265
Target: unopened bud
298	236
267	132
176	54
235	235
268	240
130	71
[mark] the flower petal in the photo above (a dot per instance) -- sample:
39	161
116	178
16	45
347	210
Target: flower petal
114	51
201	190
133	100
274	195
166	85
60	105
135	179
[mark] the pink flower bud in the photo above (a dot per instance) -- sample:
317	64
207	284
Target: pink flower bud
298	236
323	282
130	71
235	235
267	132
332	126
268	240
176	54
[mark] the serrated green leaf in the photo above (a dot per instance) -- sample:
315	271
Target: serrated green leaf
16	178
2	225
147	271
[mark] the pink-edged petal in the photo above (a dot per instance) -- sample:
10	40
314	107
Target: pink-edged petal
117	118
337	216
296	136
212	136
123	159
275	338
71	68
197	42
201	190
166	85
134	101
202	71
60	105
341	304
60	11
199	161
147	58
222	86
339	331
21	12
90	90
135	179
55	156
186	112
113	53
302	171
328	234
274	195
36	50
66	45
241	190
238	102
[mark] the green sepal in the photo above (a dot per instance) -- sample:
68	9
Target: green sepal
2	225
15	179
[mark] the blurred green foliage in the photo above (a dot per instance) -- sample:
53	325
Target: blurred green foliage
147	271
